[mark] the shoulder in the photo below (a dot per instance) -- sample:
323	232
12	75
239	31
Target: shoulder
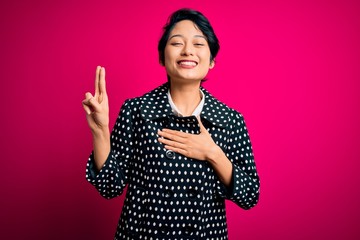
220	113
151	95
150	105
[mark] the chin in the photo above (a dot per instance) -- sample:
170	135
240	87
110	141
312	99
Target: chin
188	79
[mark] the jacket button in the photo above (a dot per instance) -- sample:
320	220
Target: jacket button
188	230
170	154
164	229
191	193
168	193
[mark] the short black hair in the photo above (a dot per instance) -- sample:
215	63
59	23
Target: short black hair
199	20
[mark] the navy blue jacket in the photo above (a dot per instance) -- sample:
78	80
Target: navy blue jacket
170	196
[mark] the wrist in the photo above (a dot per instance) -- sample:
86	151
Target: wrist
101	133
214	154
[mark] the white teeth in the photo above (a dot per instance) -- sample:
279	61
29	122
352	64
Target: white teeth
187	63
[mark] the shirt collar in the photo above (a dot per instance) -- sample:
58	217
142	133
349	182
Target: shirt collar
155	104
197	110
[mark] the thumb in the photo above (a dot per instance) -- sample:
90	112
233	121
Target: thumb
91	102
94	104
85	103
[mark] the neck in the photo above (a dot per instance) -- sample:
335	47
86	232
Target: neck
185	97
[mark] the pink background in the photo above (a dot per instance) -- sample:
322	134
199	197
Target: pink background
291	67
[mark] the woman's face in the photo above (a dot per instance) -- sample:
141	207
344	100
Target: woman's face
187	53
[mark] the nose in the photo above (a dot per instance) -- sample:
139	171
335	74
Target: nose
187	50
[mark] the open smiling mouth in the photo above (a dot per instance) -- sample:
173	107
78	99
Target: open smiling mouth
187	63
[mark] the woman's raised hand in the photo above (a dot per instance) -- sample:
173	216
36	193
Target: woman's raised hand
97	106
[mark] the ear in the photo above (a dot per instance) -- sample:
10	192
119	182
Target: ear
212	64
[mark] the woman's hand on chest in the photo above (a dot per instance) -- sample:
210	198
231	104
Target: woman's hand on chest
197	146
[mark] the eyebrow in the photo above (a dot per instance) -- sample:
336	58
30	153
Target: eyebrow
179	35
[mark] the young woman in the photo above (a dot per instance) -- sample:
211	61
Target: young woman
180	151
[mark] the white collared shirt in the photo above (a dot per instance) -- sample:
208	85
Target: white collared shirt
197	110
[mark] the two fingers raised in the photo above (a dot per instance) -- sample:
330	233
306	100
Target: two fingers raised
100	84
91	102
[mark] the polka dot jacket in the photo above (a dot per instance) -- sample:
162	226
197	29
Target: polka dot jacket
170	196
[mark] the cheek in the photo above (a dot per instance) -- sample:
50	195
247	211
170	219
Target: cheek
168	63
168	55
205	56
206	61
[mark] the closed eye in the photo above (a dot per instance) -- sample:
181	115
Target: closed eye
176	44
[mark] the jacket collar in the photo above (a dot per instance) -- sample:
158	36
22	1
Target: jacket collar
155	104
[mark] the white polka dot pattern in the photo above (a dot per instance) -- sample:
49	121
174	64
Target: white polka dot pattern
170	196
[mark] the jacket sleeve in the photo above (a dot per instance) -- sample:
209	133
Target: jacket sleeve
112	178
245	184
